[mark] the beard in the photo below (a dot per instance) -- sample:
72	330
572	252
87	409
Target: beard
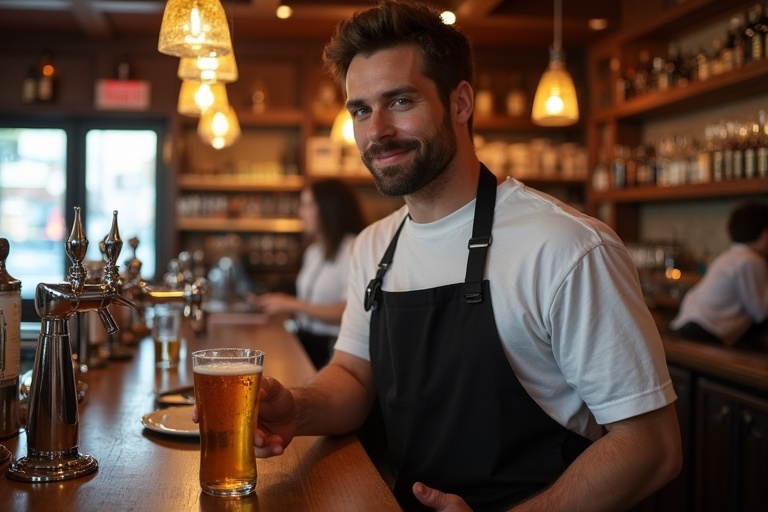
432	157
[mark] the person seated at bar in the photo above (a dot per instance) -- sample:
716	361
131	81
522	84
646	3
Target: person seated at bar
503	333
730	303
332	217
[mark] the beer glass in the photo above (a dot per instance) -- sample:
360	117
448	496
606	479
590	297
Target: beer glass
166	327
227	384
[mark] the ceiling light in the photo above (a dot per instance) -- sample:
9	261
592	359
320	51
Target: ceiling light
209	69
196	98
555	102
448	17
343	130
284	12
194	28
219	128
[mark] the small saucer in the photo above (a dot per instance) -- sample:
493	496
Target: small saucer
175	421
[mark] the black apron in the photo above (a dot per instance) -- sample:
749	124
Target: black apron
457	418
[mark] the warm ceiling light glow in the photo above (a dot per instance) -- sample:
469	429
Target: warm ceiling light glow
284	12
195	98
597	24
343	131
555	103
219	128
209	69
194	28
448	17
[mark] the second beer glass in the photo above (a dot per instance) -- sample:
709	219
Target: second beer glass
227	384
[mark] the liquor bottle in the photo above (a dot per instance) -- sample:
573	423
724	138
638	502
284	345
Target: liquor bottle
716	60
46	80
10	346
641	80
29	86
517	102
618	168
750	150
739	45
762	146
718	137
484	97
756	33
748	34
643	171
761	29
702	65
600	175
123	68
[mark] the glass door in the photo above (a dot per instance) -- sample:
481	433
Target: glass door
49	167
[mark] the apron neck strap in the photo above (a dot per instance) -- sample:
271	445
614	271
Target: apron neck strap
481	235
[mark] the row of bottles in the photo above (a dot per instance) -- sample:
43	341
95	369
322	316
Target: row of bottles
515	102
746	40
255	205
40	83
732	150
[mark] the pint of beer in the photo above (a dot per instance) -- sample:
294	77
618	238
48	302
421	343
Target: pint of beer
226	391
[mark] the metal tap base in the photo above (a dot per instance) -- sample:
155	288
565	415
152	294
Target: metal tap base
52	466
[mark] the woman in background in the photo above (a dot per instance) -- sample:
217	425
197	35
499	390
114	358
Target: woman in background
332	218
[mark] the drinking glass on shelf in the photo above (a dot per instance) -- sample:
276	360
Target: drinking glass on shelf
166	333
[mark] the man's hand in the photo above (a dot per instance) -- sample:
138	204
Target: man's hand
439	501
276	425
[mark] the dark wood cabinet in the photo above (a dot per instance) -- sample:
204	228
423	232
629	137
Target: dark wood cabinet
731	451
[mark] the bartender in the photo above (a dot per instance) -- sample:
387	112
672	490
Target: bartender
730	303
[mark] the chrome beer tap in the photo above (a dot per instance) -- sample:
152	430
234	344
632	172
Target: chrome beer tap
53	421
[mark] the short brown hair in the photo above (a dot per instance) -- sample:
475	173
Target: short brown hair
446	52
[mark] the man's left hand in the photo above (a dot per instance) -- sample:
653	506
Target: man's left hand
438	500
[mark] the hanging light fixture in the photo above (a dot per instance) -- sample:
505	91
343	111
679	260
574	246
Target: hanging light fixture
219	128
342	130
209	69
194	28
555	101
195	98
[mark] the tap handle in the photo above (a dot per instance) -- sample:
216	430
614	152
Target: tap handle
108	320
113	244
76	248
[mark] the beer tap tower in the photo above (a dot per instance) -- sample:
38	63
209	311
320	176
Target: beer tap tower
53	422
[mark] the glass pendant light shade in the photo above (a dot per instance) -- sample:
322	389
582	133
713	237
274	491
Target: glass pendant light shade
555	101
195	98
342	130
194	28
219	128
209	69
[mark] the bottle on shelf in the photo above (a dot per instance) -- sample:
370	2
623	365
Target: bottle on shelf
517	100
761	32
29	86
600	175
618	167
46	80
762	146
123	68
702	65
10	346
642	77
484	97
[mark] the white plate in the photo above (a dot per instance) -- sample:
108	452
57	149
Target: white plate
175	421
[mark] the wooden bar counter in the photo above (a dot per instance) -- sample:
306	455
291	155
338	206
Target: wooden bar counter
142	470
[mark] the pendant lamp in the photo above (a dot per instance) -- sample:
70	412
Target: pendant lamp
195	98
194	28
209	69
219	128
342	130
555	101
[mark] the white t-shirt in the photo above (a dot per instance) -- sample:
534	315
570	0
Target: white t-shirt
323	282
566	300
731	296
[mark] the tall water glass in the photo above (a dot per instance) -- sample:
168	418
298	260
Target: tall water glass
227	384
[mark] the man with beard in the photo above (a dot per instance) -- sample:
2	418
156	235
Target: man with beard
503	333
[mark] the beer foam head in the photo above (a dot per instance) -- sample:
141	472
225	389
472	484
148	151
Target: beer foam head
224	368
